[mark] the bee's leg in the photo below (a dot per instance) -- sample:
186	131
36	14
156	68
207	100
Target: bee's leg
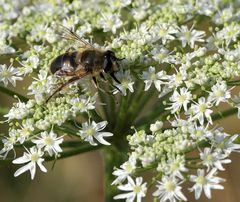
62	86
97	86
95	82
103	78
114	78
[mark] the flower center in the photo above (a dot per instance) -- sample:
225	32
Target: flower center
201	180
5	74
175	166
48	141
178	77
219	93
153	76
34	157
199	133
209	157
187	35
162	32
161	55
170	186
202	108
137	189
90	131
128	167
80	105
182	98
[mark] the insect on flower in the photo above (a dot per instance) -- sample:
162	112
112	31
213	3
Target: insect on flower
80	63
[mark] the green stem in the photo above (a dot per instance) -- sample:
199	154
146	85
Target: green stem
224	114
12	93
111	159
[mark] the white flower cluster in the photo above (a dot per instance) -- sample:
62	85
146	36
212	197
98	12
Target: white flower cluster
165	151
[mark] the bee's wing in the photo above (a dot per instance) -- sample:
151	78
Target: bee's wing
69	34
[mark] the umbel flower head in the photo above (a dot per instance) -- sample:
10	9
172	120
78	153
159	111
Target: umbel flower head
164	73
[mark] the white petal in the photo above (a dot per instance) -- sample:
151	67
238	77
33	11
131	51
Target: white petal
101	125
22	170
148	84
20	160
101	140
42	168
33	170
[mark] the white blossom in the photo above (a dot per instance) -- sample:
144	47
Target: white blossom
213	159
110	22
205	182
189	37
91	130
168	189
179	100
201	110
126	82
32	158
135	190
9	74
151	76
219	93
125	170
50	142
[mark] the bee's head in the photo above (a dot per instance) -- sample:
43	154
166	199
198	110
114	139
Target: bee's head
110	62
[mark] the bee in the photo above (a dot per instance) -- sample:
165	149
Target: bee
89	61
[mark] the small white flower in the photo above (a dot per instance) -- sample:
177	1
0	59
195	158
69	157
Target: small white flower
199	133
229	33
18	111
82	104
126	82
164	32
29	65
162	55
139	10
91	130
9	74
32	157
25	131
125	170
225	142
179	100
206	183
201	110
176	166
9	143
151	76
50	35
42	86
117	4
222	16
135	190
110	22
213	159
219	93
190	36
156	126
50	142
169	189
84	29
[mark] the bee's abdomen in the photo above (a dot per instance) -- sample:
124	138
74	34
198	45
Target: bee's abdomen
66	61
